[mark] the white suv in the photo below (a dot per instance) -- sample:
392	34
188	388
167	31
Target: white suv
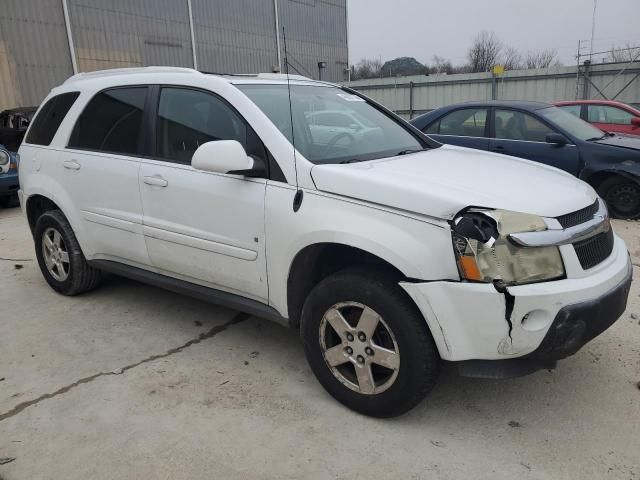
388	251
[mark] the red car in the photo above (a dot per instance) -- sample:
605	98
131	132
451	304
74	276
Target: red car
607	115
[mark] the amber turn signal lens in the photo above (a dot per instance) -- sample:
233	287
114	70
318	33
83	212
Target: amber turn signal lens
469	268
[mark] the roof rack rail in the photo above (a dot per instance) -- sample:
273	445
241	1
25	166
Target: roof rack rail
129	71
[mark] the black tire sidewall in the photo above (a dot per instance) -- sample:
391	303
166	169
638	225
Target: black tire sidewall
419	358
614	182
55	219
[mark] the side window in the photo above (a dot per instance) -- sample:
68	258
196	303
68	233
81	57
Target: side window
189	118
468	122
111	122
572	109
607	114
46	123
513	125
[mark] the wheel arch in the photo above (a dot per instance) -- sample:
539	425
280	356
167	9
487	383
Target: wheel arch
317	261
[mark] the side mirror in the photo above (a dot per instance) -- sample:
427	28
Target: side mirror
226	156
556	139
635	121
355	127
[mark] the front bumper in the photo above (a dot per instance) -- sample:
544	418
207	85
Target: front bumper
9	183
550	320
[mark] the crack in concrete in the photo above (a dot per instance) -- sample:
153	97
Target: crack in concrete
240	317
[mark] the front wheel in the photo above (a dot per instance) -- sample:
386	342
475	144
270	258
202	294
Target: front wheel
622	196
367	343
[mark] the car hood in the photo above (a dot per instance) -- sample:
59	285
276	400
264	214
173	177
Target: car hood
442	181
621	140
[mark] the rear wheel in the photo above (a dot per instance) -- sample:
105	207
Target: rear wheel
367	343
622	196
60	258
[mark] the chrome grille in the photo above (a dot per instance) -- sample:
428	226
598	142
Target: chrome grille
579	216
594	250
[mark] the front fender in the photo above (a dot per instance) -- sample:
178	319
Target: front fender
418	248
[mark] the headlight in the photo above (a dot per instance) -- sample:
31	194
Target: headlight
4	157
485	254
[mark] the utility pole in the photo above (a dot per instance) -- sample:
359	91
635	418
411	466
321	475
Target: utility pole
593	29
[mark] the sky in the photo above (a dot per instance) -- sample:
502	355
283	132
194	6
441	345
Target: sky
387	29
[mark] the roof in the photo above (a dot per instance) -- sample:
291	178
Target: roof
229	77
521	104
612	103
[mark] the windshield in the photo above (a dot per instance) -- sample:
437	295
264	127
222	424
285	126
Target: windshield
332	125
571	124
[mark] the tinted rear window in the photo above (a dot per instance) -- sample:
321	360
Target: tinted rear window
50	117
111	122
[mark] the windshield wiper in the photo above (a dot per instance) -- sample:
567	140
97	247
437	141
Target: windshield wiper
593	139
411	150
350	160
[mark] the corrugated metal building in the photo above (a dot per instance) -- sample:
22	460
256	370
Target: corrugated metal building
42	42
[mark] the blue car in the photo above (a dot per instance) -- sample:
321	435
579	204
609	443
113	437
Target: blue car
546	134
9	184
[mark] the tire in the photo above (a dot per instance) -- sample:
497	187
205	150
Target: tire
68	274
400	328
622	196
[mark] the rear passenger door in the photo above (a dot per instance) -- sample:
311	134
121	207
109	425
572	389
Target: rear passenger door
523	135
200	226
466	127
100	170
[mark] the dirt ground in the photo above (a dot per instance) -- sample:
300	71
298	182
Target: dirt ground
131	381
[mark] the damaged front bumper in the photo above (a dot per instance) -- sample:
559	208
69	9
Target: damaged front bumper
548	320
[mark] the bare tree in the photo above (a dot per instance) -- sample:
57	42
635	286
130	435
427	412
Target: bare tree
625	54
511	59
441	65
484	52
367	68
541	59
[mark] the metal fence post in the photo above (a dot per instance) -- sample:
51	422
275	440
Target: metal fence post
494	86
410	100
586	85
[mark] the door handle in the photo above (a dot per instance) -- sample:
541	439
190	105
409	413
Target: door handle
156	181
71	165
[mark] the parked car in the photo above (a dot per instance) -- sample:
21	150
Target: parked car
13	125
389	254
9	184
325	125
546	134
607	115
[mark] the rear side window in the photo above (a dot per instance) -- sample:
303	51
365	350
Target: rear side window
468	122
572	109
46	123
112	122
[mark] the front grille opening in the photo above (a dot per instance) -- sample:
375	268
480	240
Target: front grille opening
594	250
579	216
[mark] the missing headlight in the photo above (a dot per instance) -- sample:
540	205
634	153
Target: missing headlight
484	252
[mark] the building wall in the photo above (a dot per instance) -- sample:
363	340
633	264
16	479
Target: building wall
316	31
34	53
232	36
130	33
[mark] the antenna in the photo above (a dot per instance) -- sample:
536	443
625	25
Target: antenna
297	199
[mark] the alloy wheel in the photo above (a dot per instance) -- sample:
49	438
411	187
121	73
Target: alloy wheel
359	348
55	254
